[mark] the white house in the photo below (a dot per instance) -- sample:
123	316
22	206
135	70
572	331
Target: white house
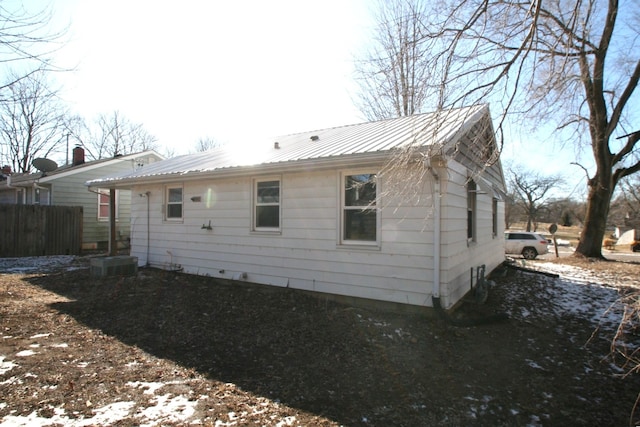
400	210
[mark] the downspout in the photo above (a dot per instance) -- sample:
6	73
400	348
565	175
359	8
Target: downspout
146	195
435	292
440	163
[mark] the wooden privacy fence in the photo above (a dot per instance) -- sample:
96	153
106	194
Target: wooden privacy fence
34	230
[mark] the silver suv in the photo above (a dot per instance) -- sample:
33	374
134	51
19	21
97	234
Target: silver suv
525	243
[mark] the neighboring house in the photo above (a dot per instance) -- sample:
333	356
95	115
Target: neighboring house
322	211
64	186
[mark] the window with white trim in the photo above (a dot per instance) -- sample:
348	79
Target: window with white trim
471	210
266	204
359	208
174	202
103	204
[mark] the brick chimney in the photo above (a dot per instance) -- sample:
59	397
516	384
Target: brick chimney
78	155
6	170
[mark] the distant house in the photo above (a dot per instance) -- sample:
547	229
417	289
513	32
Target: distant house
64	186
325	211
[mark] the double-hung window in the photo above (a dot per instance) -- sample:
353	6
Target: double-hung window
266	204
173	197
359	209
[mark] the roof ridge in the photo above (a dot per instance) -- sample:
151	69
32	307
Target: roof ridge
445	110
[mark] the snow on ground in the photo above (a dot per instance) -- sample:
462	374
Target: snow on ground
577	291
592	295
167	409
41	264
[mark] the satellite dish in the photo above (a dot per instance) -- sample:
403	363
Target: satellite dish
44	165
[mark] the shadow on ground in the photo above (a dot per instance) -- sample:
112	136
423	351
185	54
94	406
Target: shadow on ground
351	365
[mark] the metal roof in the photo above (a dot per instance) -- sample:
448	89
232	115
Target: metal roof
27	179
351	142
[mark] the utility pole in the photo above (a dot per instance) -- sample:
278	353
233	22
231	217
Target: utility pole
67	162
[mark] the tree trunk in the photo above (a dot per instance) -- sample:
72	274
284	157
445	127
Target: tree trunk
596	219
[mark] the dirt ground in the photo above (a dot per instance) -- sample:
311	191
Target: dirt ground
217	353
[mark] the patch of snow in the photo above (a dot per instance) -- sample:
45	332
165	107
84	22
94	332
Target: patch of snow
33	337
534	421
110	414
168	410
6	366
36	264
25	353
12	381
533	364
106	415
287	421
61	345
577	291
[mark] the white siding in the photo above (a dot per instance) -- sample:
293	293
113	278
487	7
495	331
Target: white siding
306	253
459	255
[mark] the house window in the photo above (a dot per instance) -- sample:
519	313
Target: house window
471	210
267	204
359	210
173	203
36	196
103	204
494	216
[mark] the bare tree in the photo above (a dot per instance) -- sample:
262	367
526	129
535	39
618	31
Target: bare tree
625	209
115	135
31	121
26	41
563	211
575	65
77	133
206	144
393	75
531	191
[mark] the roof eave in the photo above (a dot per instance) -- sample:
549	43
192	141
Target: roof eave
359	160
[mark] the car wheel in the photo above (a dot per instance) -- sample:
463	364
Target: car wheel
529	253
